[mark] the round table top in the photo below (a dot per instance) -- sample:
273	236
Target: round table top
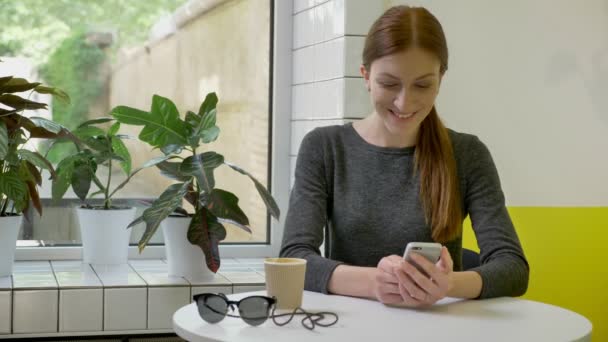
498	319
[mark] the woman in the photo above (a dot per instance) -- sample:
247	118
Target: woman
399	176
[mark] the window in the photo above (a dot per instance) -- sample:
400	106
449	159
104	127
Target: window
192	48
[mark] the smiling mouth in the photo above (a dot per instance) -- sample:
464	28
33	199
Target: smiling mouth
402	116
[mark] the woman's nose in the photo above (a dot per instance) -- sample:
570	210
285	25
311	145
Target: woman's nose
402	100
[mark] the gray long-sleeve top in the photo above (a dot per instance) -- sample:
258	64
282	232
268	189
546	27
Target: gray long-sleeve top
368	197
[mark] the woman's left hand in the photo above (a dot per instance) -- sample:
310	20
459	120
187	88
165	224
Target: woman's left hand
420	290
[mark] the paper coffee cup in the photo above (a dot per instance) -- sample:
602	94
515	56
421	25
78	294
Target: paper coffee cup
285	281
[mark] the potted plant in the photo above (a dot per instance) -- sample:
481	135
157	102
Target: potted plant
105	239
19	173
198	234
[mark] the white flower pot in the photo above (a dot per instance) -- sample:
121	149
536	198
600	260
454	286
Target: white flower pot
184	259
9	230
105	237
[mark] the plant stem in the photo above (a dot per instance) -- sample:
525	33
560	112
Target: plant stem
106	203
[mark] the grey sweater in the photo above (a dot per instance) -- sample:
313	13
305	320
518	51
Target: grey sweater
368	198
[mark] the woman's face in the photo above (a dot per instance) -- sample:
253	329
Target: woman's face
403	88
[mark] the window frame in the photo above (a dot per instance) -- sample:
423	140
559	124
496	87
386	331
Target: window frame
281	28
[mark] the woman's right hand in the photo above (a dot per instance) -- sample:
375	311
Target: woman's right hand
386	283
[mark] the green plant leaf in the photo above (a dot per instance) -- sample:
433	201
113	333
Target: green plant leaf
210	134
206	162
17	85
34	196
209	104
15	189
199	235
36	176
162	207
114	128
171	171
234	223
269	201
224	204
162	126
58	93
82	175
17	102
63	180
3	140
85	132
95	121
121	150
171	149
36	159
5	79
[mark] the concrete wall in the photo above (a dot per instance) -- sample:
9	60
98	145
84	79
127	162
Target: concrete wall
226	50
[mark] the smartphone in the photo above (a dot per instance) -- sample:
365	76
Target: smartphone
430	250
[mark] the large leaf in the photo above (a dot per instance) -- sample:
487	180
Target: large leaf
82	176
14	188
209	104
34	196
3	141
171	171
63	180
17	102
269	201
36	159
199	235
85	132
162	207
119	148
203	124
17	85
95	121
36	176
44	128
162	126
210	134
225	204
202	166
58	93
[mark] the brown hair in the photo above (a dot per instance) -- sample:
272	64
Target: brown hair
398	29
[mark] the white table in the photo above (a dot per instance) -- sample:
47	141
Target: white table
499	319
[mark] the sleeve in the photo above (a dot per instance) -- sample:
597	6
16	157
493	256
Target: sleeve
307	214
504	269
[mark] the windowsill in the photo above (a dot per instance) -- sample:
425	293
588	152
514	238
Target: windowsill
68	298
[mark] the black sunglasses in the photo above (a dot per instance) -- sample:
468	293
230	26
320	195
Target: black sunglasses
254	310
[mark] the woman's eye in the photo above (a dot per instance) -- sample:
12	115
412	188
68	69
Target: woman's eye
388	85
422	86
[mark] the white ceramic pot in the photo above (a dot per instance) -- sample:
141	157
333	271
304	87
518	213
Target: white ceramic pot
105	237
184	259
9	230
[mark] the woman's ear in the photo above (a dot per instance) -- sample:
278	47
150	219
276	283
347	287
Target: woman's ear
365	74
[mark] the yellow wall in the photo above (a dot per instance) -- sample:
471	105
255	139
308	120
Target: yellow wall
566	251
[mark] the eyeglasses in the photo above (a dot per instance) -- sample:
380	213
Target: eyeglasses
254	310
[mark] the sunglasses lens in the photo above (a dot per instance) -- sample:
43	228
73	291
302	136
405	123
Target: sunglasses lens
254	310
212	308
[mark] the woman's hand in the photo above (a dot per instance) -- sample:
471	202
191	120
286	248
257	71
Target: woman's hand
420	290
385	282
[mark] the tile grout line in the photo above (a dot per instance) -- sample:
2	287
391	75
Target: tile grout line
58	289
327	41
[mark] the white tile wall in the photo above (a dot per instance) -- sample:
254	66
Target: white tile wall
248	288
328	59
211	289
81	310
303	61
360	14
125	308
300	5
303	29
35	311
353	48
6	298
162	304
